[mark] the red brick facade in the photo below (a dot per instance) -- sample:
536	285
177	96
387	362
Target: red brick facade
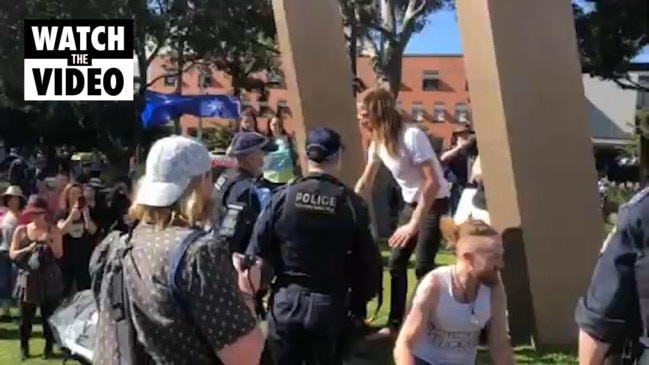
433	86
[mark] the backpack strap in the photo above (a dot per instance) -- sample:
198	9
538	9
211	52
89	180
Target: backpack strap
176	265
130	349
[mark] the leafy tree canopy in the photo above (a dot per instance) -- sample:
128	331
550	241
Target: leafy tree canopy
610	34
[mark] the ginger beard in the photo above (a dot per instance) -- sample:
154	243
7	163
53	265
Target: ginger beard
483	256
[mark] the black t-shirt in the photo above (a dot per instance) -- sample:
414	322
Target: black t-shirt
77	242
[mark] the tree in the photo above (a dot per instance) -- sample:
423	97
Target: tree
610	34
209	32
235	37
384	28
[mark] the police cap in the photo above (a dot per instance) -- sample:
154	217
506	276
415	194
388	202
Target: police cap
322	144
248	142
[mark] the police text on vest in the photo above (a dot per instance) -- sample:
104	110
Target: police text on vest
78	60
315	202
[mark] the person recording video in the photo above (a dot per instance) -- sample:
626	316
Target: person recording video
458	161
78	228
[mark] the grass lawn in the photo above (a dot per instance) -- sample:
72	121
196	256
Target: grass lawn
377	353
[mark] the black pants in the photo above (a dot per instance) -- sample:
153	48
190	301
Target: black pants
75	271
454	198
304	328
27	315
425	246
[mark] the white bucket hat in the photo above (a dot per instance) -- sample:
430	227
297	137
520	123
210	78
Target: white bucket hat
171	164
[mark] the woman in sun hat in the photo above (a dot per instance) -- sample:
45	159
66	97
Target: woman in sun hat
14	201
36	246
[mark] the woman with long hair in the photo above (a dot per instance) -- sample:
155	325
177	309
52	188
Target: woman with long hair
406	152
247	122
14	201
173	203
281	165
35	247
75	221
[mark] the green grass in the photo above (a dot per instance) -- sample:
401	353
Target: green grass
376	353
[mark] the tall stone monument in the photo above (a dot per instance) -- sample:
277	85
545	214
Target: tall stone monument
318	75
530	116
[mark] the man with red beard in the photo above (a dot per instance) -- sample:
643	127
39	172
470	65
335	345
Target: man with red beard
454	303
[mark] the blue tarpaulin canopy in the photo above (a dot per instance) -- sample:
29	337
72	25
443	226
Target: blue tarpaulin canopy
162	108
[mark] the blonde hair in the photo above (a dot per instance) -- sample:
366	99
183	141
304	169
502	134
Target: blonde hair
472	228
385	120
191	209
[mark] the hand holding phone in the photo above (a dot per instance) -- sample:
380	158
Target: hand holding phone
249	272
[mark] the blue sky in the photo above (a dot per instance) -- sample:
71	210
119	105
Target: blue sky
442	36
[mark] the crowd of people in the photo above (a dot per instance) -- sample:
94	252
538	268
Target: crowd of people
48	234
198	260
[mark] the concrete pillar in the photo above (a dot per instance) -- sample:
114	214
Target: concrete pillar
530	117
318	75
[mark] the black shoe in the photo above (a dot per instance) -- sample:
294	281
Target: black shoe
48	353
24	353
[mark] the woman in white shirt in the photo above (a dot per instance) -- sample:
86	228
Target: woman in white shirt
406	151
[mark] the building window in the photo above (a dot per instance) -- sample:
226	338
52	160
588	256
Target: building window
418	111
193	132
282	107
462	112
430	81
170	80
205	80
439	112
275	79
264	109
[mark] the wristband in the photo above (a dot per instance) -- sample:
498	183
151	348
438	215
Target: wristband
247	296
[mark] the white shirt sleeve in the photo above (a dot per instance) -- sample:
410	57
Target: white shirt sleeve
372	155
418	146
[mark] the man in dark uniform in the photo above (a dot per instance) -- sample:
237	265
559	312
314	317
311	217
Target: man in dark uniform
315	235
236	187
609	315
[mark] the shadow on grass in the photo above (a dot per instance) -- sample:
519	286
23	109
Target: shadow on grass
379	352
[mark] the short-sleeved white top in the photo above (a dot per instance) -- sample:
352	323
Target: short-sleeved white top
414	149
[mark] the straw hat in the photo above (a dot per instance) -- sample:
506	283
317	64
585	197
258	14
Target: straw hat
13	190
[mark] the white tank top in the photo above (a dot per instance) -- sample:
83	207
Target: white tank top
453	333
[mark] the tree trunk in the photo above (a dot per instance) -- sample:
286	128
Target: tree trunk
179	80
392	69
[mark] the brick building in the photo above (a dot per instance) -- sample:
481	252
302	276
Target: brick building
433	92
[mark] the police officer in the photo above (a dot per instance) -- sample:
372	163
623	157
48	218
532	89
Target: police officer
615	309
315	234
236	190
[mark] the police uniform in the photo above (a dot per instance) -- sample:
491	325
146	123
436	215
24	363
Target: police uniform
617	301
236	189
315	234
